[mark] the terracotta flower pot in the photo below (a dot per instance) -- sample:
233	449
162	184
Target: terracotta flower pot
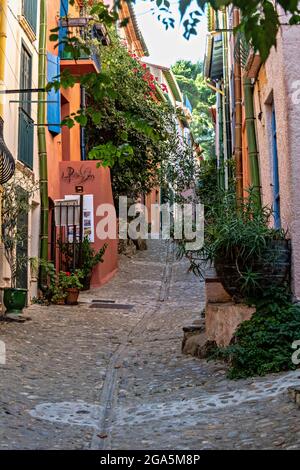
72	297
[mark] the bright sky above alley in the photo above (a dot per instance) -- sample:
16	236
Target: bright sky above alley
166	47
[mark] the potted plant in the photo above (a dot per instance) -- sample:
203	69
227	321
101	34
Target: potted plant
71	285
90	259
249	255
58	295
16	204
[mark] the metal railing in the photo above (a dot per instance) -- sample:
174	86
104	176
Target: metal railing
84	35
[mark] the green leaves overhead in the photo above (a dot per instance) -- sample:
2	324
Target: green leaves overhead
261	19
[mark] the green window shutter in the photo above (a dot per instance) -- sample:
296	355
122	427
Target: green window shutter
26	138
26	124
30	13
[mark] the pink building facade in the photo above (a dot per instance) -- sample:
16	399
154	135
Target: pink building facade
277	108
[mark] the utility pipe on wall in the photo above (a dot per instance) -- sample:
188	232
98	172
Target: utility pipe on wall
42	147
251	138
3	26
226	101
238	115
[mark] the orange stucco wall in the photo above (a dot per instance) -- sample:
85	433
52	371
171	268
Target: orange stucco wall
72	95
94	181
63	151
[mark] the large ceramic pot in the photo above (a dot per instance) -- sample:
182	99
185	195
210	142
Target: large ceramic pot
272	270
72	297
14	300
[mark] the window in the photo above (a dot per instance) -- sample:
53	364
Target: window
26	127
276	186
30	13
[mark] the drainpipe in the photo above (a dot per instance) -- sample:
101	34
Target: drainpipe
42	147
220	99
3	27
251	138
227	120
3	9
238	116
225	148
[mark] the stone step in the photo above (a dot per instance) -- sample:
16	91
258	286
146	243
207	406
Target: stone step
294	393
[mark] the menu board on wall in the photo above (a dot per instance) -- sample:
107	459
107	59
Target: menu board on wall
87	216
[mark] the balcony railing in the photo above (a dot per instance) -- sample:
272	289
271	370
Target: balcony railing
83	33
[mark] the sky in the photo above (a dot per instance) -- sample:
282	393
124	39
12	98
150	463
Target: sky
166	47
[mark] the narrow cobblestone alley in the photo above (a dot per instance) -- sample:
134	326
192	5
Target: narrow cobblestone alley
89	378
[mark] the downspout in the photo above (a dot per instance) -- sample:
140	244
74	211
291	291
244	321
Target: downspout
238	153
225	148
251	139
3	26
227	120
221	143
42	147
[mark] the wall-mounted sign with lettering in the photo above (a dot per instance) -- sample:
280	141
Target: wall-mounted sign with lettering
78	176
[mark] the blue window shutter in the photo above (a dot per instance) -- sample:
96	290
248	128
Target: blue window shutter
64	11
54	98
64	7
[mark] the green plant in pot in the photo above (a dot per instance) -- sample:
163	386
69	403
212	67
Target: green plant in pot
70	283
58	295
248	254
90	259
16	204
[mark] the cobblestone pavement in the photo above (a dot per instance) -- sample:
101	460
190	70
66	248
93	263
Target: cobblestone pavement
88	378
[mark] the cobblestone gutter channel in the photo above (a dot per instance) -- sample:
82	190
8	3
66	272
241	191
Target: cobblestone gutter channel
82	378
